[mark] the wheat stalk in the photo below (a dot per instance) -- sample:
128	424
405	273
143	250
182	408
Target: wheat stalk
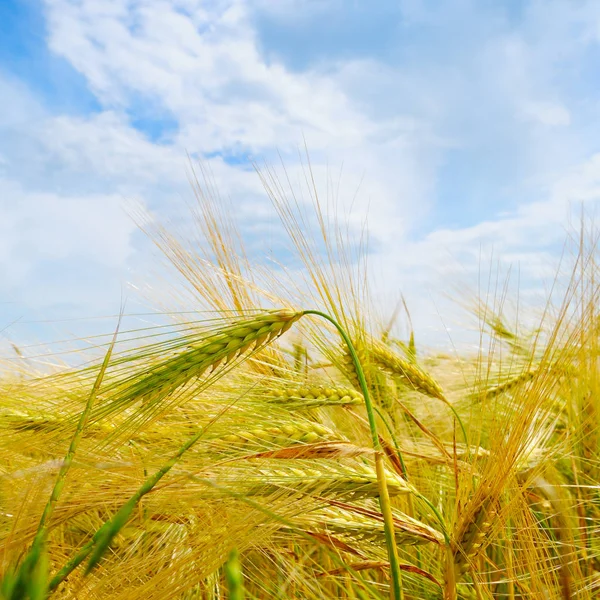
384	496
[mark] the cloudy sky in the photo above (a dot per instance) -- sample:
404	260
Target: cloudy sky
470	128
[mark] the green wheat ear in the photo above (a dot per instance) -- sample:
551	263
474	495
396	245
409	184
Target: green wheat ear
191	357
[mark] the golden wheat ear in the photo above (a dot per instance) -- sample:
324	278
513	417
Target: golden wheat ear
177	363
407	370
309	397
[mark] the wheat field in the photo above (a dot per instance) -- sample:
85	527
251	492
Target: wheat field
283	442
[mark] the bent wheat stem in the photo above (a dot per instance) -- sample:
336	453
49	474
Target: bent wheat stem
384	498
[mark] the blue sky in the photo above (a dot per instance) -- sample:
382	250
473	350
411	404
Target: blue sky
471	126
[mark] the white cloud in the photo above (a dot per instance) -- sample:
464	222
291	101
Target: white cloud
495	97
45	227
19	105
547	113
527	243
107	146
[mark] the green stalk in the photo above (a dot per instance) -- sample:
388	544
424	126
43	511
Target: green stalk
64	469
28	571
384	497
233	576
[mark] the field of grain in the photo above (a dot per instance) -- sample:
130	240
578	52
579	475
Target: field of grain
284	443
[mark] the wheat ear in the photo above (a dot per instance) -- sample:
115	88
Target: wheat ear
409	372
406	370
284	435
505	386
201	353
299	398
471	534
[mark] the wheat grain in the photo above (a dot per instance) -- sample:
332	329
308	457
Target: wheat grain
283	435
298	398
